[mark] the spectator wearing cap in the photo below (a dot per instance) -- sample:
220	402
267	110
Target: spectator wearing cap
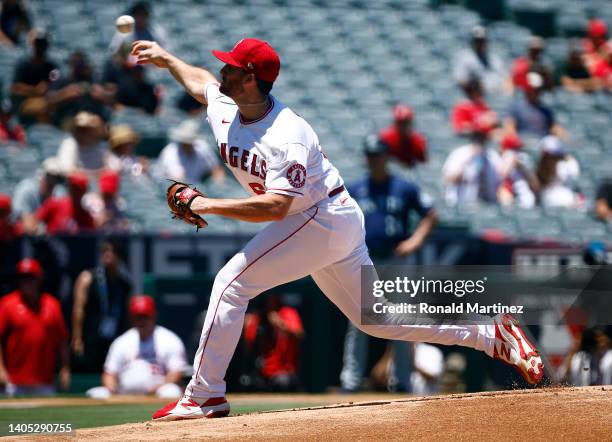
33	77
556	172
472	172
188	157
477	61
9	229
107	207
603	201
84	148
123	140
518	184
32	192
404	143
10	130
473	108
529	116
100	308
388	203
67	214
575	76
33	336
596	38
14	22
532	62
146	359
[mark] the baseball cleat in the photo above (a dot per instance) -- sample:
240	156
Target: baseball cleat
512	347
187	408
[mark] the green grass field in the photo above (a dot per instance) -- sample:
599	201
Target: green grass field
101	415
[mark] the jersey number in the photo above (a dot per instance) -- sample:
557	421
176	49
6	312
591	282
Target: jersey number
258	188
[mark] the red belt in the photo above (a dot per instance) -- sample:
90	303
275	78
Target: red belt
336	191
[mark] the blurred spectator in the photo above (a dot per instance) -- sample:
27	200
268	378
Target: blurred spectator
575	76
473	172
596	39
529	115
8	228
99	312
479	62
556	171
532	62
33	336
188	157
602	69
32	192
274	336
85	147
67	214
77	91
14	22
590	360
146	359
190	105
33	77
405	144
123	141
388	204
107	207
143	29
135	91
427	369
10	130
124	80
603	201
466	112
518	182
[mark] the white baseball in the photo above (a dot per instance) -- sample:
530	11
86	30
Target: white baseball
125	24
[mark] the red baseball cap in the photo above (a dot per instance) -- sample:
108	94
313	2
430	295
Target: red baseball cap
511	142
5	202
109	182
29	266
142	305
402	112
79	180
253	55
597	28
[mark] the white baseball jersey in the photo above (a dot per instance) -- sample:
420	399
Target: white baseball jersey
142	365
278	153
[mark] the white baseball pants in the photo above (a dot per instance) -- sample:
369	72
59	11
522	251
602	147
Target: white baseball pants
327	242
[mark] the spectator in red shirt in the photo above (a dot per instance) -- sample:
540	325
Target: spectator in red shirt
474	108
32	335
602	69
10	130
274	335
597	36
8	229
66	214
404	143
532	62
107	207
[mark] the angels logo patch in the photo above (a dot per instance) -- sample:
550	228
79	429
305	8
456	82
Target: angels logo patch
296	175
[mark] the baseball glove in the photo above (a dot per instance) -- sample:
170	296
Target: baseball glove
180	197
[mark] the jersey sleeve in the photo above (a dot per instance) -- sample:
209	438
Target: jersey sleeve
211	92
287	173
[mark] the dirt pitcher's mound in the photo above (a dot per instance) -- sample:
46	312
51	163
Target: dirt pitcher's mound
542	414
